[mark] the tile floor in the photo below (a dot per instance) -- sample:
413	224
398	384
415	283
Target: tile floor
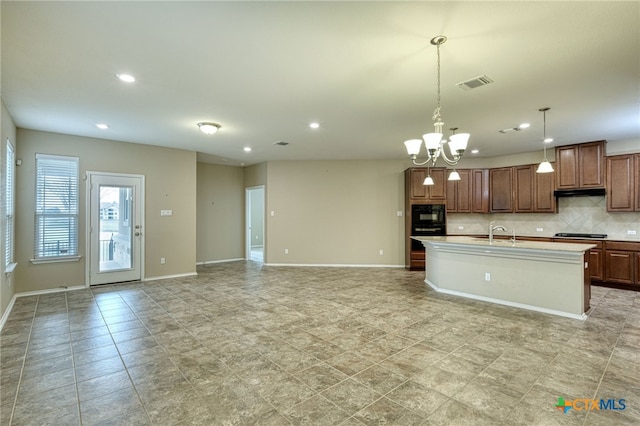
246	344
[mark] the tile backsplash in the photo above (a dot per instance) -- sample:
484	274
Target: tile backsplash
575	214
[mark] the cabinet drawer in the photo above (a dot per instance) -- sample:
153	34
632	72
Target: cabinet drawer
622	245
417	255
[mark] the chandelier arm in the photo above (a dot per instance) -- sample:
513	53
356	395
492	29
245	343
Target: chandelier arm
413	160
447	160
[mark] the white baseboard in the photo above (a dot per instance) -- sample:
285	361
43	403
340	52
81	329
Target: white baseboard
332	265
166	277
582	317
5	316
208	262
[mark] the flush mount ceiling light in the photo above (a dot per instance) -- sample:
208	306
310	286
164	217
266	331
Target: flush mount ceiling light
127	78
433	141
545	166
208	128
247	149
314	125
102	126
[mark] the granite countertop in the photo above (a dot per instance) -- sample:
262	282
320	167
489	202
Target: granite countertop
631	239
507	244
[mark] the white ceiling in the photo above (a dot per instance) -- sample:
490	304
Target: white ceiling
364	70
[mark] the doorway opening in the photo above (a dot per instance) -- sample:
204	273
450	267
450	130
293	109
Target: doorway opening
254	232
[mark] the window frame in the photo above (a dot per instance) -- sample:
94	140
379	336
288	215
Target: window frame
63	194
10	208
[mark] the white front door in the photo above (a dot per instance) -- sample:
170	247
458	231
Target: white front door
115	240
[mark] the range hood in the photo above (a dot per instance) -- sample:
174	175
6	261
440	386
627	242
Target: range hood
579	192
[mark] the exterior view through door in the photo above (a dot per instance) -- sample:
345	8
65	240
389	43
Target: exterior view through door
115	228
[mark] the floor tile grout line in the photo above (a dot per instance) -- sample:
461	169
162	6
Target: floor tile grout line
24	361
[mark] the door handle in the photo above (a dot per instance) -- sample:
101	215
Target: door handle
137	234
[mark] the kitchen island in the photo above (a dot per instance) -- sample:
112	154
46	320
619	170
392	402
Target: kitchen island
547	277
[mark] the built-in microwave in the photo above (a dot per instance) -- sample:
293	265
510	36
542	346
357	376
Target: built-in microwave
427	219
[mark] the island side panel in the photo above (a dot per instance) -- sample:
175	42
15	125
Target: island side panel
557	286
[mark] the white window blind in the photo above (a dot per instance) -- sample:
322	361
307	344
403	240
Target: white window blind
10	205
56	221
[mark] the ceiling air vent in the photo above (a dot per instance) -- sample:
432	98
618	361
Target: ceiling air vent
482	80
281	143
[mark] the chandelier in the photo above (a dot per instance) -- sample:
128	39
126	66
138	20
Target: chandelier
545	166
433	141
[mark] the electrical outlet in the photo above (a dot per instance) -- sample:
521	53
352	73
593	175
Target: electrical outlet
286	251
539	229
460	228
381	252
487	276
163	260
399	213
631	232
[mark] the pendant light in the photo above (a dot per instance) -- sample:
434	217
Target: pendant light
545	166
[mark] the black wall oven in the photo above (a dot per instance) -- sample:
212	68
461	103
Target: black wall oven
427	220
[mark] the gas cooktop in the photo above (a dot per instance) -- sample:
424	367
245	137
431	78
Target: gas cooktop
591	236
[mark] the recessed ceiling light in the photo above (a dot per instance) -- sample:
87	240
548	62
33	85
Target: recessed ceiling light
524	125
127	78
475	151
247	149
102	126
548	140
208	128
314	125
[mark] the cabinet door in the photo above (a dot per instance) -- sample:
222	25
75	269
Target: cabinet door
596	265
636	173
416	188
567	167
545	184
524	188
438	192
620	183
591	164
480	191
452	196
501	190
463	192
619	266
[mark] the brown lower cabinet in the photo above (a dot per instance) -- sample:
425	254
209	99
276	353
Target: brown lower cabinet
613	262
621	262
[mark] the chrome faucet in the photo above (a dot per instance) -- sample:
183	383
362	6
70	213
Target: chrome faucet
493	228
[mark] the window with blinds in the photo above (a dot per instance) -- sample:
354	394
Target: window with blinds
9	205
56	220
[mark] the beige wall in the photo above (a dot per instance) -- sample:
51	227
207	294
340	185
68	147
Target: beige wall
7	131
220	213
335	212
170	183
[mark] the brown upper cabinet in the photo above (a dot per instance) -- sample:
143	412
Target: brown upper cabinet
520	189
501	190
544	201
580	166
459	193
524	183
480	191
420	192
623	183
